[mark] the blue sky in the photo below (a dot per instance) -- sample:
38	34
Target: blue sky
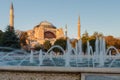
96	15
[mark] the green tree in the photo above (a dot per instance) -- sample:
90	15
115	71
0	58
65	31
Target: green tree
23	38
38	47
73	43
85	34
1	35
97	34
47	45
9	39
61	42
92	43
91	40
85	38
111	41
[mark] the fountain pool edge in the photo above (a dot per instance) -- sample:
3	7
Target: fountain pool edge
60	69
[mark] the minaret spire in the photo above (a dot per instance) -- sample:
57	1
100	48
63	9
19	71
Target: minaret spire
79	28
66	30
11	17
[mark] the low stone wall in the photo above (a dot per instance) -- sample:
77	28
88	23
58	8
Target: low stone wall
8	75
57	73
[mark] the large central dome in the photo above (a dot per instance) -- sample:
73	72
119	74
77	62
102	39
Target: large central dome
46	24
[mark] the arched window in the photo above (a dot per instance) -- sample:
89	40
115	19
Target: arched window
49	35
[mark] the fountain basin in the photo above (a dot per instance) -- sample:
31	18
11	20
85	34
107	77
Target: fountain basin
60	69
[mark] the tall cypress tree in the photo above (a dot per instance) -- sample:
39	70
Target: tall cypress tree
10	39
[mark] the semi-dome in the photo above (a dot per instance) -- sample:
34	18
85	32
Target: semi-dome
46	24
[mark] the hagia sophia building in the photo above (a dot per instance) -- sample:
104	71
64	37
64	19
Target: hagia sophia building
43	31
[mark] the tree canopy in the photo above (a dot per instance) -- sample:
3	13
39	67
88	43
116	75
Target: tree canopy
47	45
10	39
61	42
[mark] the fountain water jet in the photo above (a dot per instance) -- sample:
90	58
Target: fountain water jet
40	57
31	57
67	55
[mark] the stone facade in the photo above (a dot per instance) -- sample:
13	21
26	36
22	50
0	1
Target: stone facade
45	31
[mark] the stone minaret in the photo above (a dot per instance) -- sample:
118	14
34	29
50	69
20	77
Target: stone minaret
79	28
66	30
11	17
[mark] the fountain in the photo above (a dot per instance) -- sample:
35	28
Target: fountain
40	58
70	60
99	58
31	57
